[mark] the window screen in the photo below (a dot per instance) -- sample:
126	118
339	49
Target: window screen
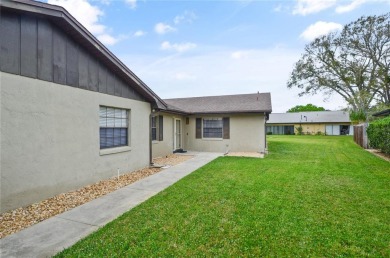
113	124
212	128
154	128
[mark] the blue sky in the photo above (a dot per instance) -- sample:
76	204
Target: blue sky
203	48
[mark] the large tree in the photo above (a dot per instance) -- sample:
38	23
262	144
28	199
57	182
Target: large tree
353	63
305	108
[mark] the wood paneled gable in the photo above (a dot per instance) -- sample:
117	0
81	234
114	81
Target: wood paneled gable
35	47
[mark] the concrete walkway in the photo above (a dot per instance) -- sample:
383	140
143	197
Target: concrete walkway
51	236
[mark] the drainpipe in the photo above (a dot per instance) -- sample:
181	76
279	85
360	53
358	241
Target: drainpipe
265	133
150	137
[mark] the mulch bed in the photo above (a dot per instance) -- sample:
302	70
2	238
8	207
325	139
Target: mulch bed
379	154
21	218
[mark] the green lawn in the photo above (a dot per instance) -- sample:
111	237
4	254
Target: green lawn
311	196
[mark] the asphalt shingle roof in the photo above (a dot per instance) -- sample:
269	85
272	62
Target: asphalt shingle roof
243	103
309	117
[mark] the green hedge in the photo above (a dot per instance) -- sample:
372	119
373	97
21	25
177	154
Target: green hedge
378	133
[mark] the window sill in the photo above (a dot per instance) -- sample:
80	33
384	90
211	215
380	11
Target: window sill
212	139
114	150
155	142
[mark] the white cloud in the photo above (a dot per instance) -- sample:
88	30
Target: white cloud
320	28
162	28
105	2
139	33
304	7
349	7
281	8
239	54
186	17
88	15
107	39
166	45
132	3
215	73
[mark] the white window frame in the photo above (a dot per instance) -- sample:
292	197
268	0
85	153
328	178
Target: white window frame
117	122
155	118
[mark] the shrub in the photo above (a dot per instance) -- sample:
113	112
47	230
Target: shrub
378	133
299	130
269	133
319	133
357	116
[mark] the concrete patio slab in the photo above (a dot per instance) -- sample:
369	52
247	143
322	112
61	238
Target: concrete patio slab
51	236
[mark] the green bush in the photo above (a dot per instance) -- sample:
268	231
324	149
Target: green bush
269	133
299	130
378	133
357	116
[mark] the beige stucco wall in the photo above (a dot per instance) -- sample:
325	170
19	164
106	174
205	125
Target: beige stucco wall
165	147
246	134
50	139
311	128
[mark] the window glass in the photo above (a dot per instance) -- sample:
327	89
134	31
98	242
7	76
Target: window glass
154	128
212	128
113	124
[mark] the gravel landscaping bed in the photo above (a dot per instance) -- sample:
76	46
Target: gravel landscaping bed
245	154
21	218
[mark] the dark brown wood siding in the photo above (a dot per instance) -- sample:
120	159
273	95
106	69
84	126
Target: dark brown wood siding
45	51
35	47
59	57
28	47
10	43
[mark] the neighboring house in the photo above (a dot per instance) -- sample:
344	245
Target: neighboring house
382	113
324	122
71	112
231	123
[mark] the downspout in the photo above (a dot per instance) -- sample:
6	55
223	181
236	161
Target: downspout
265	133
150	138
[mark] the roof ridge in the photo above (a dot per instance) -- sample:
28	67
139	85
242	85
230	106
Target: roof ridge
215	96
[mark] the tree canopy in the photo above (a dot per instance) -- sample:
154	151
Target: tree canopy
354	63
308	107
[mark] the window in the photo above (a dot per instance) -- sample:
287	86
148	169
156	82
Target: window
157	128
154	128
212	128
113	124
280	129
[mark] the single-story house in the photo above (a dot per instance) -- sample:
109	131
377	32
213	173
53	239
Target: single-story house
231	123
324	122
73	114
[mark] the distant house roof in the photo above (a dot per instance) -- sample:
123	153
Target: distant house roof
385	112
309	117
243	103
82	36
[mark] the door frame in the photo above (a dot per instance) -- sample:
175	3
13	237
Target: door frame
175	132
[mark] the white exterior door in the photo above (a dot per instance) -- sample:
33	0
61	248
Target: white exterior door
329	130
336	129
177	134
351	130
